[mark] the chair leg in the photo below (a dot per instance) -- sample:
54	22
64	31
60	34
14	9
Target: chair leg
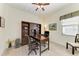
66	45
29	52
35	52
72	50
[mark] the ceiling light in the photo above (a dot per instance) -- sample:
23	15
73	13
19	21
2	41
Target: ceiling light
40	6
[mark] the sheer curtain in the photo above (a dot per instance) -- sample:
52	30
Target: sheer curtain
70	26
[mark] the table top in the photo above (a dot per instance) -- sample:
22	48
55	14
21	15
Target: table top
41	37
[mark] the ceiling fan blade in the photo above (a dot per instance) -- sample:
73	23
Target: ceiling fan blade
41	3
36	9
43	9
45	4
35	3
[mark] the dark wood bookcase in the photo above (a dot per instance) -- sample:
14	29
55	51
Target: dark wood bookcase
27	28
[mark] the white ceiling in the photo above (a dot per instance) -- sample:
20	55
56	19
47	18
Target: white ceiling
29	7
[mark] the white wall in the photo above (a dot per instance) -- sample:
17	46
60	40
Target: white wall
13	18
57	36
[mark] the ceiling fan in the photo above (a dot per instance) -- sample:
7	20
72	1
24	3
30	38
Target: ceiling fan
40	5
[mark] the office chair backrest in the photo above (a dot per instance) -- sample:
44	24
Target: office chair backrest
77	38
46	33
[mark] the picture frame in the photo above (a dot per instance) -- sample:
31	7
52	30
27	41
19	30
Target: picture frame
53	26
2	22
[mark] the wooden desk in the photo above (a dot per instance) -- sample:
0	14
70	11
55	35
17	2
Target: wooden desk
42	38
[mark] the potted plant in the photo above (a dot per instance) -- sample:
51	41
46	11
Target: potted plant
9	43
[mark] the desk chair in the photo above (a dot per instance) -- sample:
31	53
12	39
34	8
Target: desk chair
33	45
74	45
46	34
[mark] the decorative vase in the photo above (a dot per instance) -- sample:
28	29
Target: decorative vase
10	45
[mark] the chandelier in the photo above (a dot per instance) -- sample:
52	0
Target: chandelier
40	6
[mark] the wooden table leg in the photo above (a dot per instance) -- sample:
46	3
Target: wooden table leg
72	50
40	48
66	45
48	44
75	48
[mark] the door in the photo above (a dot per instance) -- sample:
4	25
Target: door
25	32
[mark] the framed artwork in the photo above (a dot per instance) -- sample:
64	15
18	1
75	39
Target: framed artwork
2	22
53	26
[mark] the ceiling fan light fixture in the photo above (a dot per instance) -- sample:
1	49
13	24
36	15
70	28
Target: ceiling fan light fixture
40	5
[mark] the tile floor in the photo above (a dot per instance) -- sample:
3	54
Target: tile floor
55	50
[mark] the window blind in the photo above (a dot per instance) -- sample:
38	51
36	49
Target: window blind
70	15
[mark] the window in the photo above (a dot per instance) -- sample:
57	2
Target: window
70	26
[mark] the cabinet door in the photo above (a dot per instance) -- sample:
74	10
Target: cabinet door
25	32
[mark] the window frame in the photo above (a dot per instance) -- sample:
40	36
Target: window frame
68	34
